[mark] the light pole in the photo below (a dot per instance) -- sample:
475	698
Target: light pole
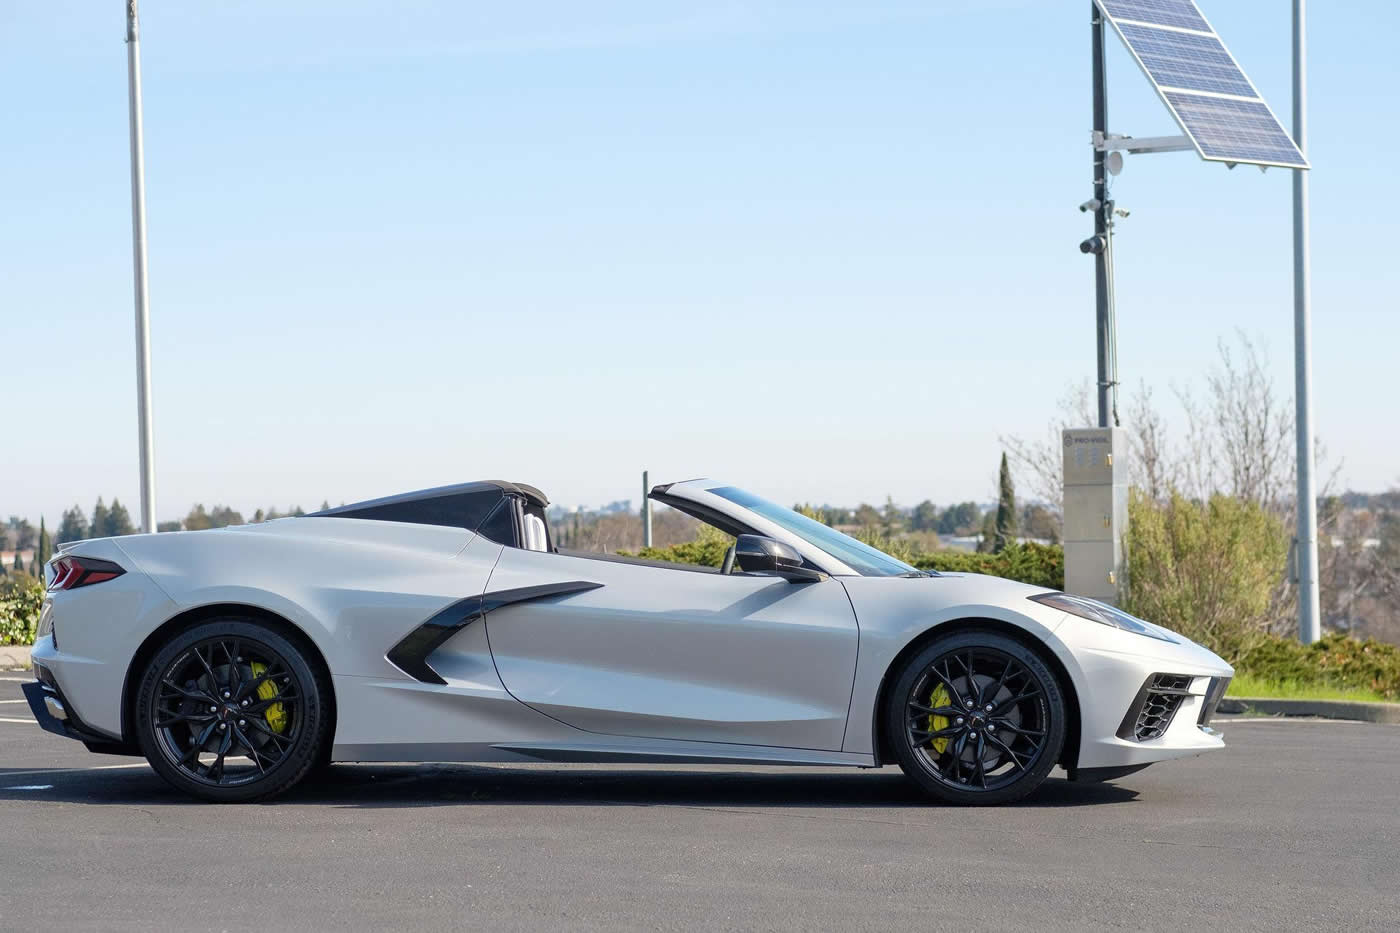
1309	623
138	240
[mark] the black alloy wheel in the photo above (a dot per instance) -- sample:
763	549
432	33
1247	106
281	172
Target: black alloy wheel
976	718
232	711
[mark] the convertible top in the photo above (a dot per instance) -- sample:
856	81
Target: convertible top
463	505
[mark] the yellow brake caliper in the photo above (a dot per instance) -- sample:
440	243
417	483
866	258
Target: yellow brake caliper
939	699
275	714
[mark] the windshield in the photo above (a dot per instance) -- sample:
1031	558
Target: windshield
862	558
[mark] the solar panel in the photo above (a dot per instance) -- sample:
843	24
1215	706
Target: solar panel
1179	13
1201	83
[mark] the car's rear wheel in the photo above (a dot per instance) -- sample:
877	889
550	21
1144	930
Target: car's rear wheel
231	711
976	717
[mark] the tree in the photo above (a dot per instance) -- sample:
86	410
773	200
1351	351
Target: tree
74	526
894	518
866	516
44	549
19	563
987	541
25	534
197	519
925	517
1039	522
1006	508
960	519
118	521
173	525
98	526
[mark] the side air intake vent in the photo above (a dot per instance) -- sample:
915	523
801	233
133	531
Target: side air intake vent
1155	707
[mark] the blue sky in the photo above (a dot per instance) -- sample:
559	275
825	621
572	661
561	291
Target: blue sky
827	251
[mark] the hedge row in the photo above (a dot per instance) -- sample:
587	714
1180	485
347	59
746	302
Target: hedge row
1039	564
20	597
1335	660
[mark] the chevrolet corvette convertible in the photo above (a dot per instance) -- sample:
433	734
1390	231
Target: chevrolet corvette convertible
446	625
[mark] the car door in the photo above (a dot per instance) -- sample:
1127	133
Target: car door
670	653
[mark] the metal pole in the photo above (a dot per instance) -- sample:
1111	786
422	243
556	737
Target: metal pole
1101	215
646	511
1309	611
138	240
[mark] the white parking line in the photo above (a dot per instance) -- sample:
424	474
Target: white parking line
27	722
6	775
1297	720
17	680
14	701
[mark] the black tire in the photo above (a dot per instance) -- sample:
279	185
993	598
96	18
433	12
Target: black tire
233	689
1012	692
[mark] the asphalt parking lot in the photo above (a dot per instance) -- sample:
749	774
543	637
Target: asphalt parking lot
1295	826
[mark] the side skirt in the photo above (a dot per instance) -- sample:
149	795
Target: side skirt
653	752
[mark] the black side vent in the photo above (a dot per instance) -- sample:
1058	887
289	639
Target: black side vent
1214	694
1155	707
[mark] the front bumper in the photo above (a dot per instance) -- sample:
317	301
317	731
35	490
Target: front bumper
1128	717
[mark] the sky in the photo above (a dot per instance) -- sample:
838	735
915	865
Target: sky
827	251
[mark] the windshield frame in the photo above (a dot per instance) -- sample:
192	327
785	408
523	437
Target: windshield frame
864	560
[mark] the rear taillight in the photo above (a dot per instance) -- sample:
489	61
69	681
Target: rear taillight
72	572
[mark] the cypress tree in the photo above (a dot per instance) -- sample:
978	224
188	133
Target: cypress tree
44	549
1006	508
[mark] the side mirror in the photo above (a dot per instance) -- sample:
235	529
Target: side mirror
758	554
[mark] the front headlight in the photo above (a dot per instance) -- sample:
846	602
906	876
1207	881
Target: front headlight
1096	611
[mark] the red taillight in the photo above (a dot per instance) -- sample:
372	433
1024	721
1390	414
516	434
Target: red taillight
72	572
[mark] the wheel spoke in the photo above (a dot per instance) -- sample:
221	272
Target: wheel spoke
235	676
1001	681
1007	749
918	709
187	694
930	735
250	687
947	681
267	731
1010	726
192	753
178	718
981	767
263	705
253	752
1004	707
213	681
225	742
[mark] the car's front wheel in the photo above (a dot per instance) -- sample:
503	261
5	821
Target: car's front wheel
976	717
232	711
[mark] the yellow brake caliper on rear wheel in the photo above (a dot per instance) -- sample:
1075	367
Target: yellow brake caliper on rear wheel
276	715
939	699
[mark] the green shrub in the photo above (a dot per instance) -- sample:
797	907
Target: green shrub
20	597
707	549
1208	570
1334	660
1040	564
1029	562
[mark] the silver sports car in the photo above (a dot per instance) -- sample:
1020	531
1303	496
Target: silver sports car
446	625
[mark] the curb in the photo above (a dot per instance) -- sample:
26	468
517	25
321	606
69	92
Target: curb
16	656
1326	709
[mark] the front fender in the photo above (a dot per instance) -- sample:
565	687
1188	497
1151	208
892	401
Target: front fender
894	612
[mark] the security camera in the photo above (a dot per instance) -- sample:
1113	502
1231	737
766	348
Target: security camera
1090	205
1095	245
